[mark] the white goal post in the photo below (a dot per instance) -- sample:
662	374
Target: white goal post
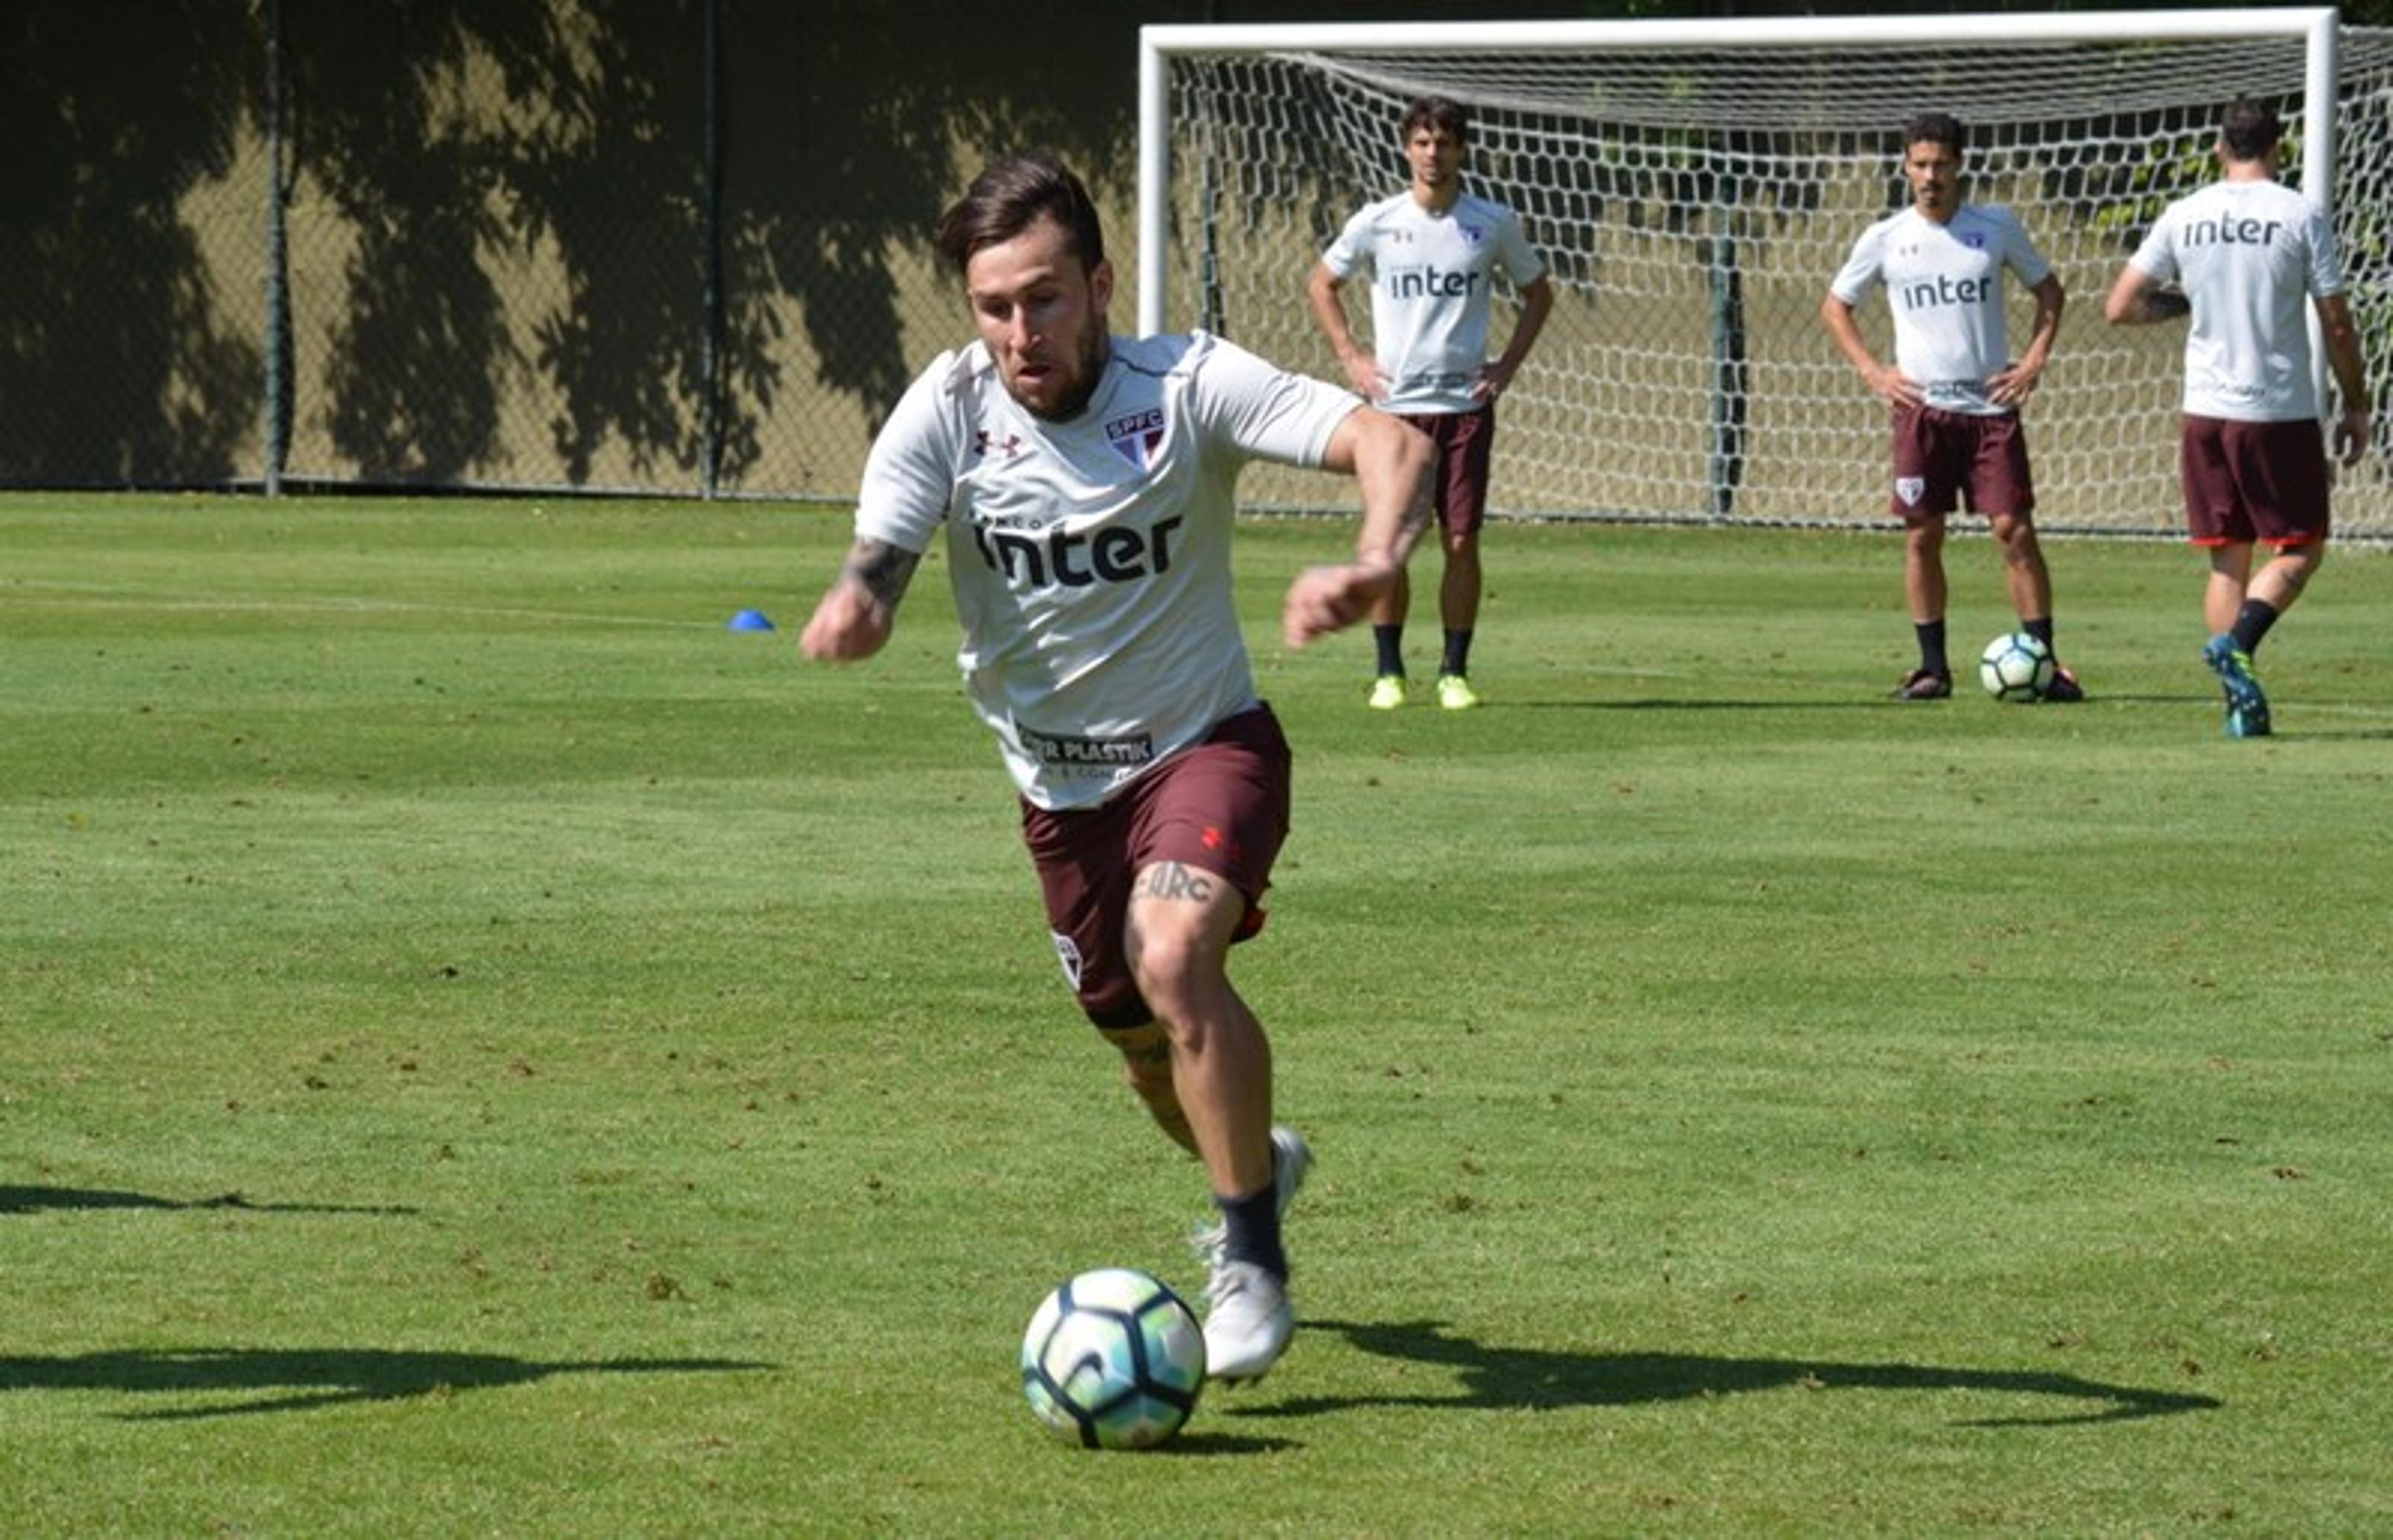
1694	185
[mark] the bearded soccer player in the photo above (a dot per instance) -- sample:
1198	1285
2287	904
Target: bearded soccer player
2242	255
1436	250
1084	485
1953	390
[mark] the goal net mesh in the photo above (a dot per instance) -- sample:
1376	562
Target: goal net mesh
1692	206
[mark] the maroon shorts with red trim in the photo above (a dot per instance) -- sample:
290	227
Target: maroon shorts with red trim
1466	442
2253	481
1220	807
1947	460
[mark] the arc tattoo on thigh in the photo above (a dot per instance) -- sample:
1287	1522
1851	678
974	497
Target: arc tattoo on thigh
1175	879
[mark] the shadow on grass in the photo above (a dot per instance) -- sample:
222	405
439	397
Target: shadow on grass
26	1200
1209	1445
299	1380
1532	1379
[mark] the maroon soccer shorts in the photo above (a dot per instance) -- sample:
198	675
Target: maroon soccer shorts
1947	460
2253	481
1220	807
1466	442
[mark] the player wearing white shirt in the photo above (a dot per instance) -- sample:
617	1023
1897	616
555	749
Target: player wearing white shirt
1436	252
1953	390
1085	485
1089	558
1943	281
1433	270
2247	257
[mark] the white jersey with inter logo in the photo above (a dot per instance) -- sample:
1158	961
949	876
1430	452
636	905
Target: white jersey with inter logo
1430	292
1944	289
2250	255
1091	559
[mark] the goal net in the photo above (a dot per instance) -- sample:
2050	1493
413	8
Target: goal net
1694	186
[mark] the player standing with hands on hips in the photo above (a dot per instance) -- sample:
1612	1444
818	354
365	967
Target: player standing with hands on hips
1434	252
2242	254
1956	395
1084	483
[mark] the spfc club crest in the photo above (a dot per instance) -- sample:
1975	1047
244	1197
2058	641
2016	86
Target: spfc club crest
1137	436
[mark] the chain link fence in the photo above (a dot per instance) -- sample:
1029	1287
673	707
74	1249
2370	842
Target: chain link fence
678	247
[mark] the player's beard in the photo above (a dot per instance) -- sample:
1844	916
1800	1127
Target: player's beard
1088	371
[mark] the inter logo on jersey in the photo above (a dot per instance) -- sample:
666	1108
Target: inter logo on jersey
1137	436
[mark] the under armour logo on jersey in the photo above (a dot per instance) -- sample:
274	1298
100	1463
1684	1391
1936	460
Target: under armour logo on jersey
984	441
1911	489
1137	436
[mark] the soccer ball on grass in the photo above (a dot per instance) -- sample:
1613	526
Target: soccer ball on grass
1113	1360
2016	667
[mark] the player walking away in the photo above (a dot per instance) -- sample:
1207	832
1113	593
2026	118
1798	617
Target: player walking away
1085	485
2241	255
1434	252
1954	392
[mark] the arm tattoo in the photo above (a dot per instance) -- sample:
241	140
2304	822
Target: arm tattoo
882	569
1171	879
2167	304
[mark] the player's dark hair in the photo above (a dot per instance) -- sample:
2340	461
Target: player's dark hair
1011	195
1935	129
1437	113
2249	129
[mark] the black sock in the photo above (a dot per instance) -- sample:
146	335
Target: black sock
1457	653
1251	1226
1931	645
2041	632
1389	640
2251	622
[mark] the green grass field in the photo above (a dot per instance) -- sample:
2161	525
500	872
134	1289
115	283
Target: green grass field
485	1048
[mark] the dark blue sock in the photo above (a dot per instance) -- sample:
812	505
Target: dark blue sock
1251	1224
1457	653
2251	622
1389	640
1931	645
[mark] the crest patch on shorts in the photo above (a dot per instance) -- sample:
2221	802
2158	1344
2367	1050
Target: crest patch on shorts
1067	952
1911	489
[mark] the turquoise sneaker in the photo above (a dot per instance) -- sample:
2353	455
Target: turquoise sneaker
2247	704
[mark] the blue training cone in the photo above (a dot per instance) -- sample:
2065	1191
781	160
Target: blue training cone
749	620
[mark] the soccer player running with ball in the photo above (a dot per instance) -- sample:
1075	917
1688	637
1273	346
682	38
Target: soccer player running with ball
1084	485
1954	392
2242	254
1436	252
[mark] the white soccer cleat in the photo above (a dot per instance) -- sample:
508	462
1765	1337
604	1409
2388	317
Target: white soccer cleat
1248	1322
